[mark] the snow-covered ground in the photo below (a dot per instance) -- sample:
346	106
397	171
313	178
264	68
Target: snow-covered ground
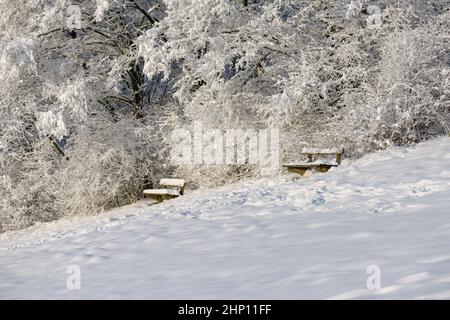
288	238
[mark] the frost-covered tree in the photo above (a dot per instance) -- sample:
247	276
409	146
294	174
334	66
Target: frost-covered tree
81	123
91	90
314	68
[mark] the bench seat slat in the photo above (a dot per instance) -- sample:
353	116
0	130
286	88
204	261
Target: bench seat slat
311	164
178	183
316	151
161	192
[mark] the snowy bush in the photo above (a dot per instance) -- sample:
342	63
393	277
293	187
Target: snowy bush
92	90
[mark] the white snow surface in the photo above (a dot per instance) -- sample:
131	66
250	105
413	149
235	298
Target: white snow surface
286	237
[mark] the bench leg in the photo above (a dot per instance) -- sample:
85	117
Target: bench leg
168	197
302	171
161	197
299	171
322	169
157	198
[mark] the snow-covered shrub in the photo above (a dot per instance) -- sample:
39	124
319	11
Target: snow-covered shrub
81	126
409	102
91	95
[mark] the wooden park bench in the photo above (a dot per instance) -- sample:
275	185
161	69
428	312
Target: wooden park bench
170	188
314	163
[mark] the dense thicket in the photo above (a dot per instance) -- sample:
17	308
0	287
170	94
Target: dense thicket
91	90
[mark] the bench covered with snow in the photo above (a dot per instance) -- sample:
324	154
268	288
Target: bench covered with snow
314	163
170	188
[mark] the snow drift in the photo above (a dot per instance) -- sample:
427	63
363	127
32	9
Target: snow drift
285	238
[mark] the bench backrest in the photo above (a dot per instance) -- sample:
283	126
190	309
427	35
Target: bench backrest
175	184
311	152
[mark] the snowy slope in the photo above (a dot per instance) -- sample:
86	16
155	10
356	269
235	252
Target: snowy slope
281	238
